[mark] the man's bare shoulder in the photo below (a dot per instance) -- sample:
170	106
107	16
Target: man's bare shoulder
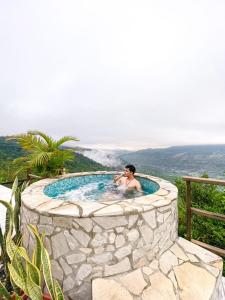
137	184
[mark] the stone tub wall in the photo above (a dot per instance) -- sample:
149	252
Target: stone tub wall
113	239
85	248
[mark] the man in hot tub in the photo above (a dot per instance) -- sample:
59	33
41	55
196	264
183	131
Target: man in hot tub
127	181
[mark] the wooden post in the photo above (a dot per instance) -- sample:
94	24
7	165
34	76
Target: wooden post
188	209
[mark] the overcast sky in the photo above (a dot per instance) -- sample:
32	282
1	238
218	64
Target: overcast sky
114	73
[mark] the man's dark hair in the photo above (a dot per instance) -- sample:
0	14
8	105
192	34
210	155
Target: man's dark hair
131	168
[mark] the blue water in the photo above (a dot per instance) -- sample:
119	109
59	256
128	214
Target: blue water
94	188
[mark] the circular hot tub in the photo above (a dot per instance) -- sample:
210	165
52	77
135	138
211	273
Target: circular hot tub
89	238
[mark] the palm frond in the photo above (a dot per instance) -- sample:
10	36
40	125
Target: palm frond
40	159
26	141
44	136
65	139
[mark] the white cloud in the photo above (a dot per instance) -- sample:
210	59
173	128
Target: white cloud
124	73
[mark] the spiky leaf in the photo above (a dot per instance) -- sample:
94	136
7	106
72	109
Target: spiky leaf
37	252
20	281
58	291
34	290
14	188
47	272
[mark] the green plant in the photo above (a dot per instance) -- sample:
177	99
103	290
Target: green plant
30	274
44	155
12	226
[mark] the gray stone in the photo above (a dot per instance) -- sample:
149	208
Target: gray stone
173	279
59	245
101	259
45	220
85	223
161	288
83	293
154	265
139	223
98	240
140	243
167	215
73	244
57	271
137	254
68	284
75	225
134	282
112	238
86	251
202	253
123	252
97	229
160	217
205	282
75	258
32	217
99	250
110	248
132	220
122	266
83	272
140	263
82	237
119	229
65	222
120	241
150	218
147	271
167	261
133	235
178	252
103	289
110	222
156	239
147	234
66	268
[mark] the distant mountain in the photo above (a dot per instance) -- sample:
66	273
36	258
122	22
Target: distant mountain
180	160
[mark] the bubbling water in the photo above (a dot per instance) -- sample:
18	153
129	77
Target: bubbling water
101	191
99	187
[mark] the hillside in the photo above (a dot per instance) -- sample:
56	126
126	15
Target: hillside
180	160
9	150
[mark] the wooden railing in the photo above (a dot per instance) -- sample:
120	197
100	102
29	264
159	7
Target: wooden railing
192	210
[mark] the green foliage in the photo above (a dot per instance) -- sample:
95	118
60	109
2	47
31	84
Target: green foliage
12	225
10	150
44	156
26	273
207	197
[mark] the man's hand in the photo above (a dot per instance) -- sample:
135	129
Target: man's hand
117	177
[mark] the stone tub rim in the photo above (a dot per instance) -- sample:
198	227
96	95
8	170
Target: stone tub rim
34	198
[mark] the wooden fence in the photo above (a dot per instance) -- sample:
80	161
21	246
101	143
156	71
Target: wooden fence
192	210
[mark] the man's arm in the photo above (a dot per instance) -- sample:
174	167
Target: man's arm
138	187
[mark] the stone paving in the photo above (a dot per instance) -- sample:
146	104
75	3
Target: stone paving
184	271
120	242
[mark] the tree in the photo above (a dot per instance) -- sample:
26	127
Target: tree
45	156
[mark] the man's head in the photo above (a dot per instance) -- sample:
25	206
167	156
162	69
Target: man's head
129	170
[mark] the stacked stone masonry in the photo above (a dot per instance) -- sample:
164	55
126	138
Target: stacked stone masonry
119	242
